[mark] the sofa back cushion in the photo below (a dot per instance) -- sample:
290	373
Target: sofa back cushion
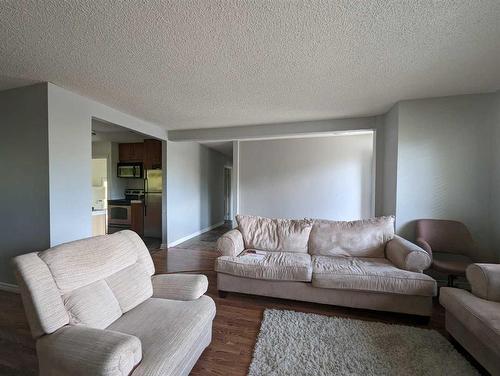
274	235
91	281
363	238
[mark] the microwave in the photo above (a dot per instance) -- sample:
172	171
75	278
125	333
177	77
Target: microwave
130	170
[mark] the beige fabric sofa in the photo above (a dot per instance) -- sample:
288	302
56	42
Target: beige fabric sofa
360	264
96	308
473	319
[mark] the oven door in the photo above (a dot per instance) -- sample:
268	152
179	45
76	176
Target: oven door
119	215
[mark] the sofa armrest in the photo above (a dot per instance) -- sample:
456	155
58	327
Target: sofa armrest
406	255
231	243
179	286
80	350
484	280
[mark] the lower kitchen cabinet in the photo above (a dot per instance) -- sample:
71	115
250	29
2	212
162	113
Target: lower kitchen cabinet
137	217
98	224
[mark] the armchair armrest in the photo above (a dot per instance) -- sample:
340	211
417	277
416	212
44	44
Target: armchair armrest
179	286
406	255
231	243
80	350
421	242
484	280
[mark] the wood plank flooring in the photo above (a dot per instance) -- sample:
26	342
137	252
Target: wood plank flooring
236	324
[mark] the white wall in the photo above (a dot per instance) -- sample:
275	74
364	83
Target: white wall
24	185
444	162
69	129
195	189
319	177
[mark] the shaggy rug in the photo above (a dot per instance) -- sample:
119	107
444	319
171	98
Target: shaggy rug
293	343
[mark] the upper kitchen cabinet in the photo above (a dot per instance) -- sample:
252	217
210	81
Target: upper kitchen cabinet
131	152
152	154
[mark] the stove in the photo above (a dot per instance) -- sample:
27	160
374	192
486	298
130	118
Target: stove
130	194
119	212
121	202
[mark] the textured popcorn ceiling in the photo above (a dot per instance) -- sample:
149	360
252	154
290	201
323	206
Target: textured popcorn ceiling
201	63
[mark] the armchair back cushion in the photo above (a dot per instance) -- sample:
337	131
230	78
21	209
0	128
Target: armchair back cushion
91	281
445	236
274	235
363	238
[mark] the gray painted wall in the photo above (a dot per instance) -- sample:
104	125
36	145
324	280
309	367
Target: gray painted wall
69	124
24	185
495	189
389	156
319	177
70	151
195	188
444	162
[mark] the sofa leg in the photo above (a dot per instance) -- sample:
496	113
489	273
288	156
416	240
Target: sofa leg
451	278
423	320
222	294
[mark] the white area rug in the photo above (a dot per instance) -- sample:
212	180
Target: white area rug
293	343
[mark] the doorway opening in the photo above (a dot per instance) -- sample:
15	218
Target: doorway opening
99	196
133	193
227	194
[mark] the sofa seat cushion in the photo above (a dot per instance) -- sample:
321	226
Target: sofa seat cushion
369	274
169	331
479	316
277	266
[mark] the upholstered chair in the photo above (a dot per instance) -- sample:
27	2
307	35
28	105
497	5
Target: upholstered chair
473	318
449	243
96	308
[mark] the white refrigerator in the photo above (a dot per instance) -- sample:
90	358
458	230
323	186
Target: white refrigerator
153	184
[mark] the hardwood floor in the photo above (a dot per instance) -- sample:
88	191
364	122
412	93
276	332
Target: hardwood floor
236	324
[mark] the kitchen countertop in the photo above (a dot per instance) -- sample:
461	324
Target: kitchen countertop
99	212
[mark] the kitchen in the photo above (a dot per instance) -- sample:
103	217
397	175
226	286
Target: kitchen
127	183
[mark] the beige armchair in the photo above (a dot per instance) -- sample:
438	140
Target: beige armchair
473	319
96	308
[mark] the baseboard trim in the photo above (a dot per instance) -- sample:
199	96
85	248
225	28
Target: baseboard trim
186	238
4	286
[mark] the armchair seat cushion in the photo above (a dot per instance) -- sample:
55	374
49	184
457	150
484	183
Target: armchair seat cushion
169	331
450	263
479	316
369	274
278	266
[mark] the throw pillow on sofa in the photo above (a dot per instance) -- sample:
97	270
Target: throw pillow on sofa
274	235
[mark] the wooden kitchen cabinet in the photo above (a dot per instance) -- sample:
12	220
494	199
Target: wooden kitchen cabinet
137	217
131	152
152	154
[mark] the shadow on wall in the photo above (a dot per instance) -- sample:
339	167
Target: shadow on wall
368	185
407	230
